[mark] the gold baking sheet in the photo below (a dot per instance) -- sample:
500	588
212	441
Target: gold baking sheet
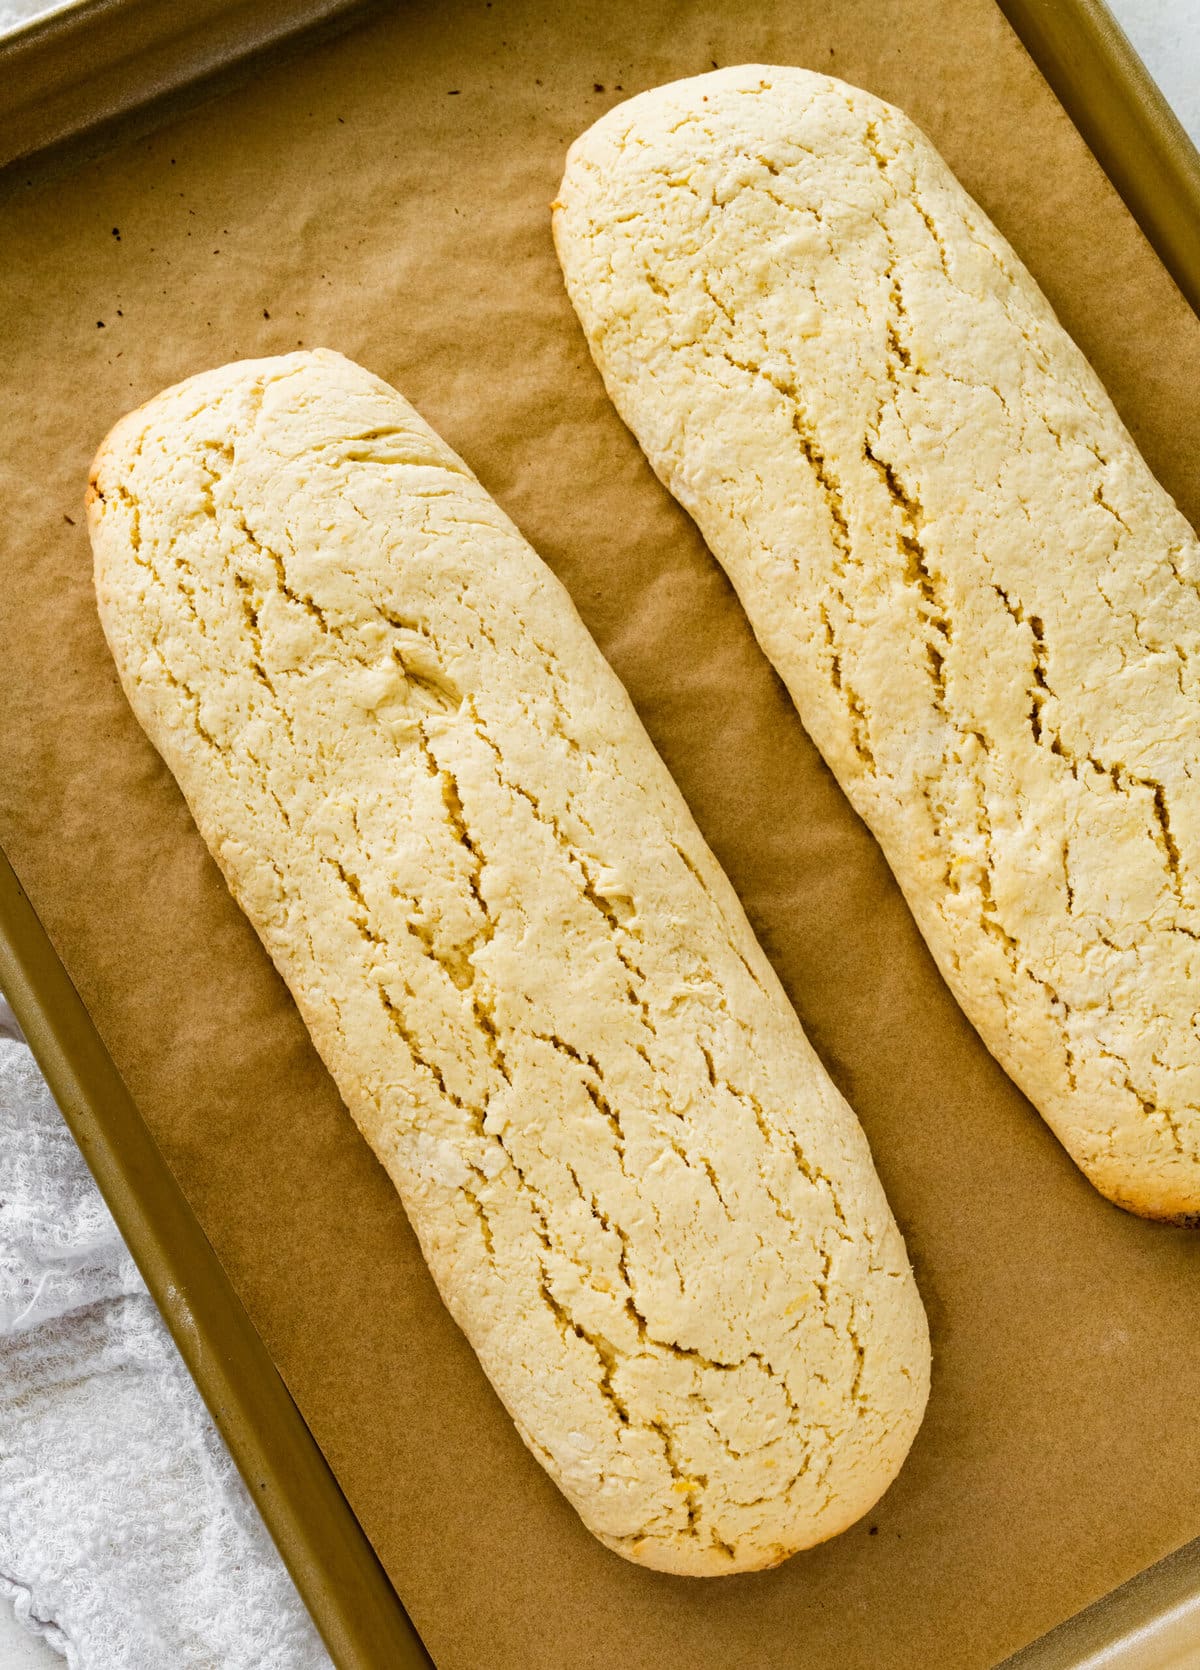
389	197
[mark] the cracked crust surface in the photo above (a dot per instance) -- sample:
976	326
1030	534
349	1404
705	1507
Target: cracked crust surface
985	607
640	1194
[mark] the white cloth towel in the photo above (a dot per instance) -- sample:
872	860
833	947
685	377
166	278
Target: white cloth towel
127	1539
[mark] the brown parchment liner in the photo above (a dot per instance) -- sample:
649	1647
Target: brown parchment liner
388	196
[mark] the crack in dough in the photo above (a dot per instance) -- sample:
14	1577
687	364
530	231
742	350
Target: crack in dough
984	606
639	1193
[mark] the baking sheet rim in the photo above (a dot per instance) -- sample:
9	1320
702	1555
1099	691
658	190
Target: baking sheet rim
352	1602
1094	73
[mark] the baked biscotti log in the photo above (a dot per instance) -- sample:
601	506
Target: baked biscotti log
985	607
638	1191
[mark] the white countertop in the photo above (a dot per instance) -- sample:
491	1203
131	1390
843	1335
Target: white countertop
1167	35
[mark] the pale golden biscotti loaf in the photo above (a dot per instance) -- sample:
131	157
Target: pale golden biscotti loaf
640	1194
985	607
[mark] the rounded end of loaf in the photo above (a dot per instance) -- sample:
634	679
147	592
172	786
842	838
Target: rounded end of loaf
1171	1200
1141	1156
1141	1152
658	107
712	1556
837	1484
118	452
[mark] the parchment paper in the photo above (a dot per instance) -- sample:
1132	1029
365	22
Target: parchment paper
388	196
